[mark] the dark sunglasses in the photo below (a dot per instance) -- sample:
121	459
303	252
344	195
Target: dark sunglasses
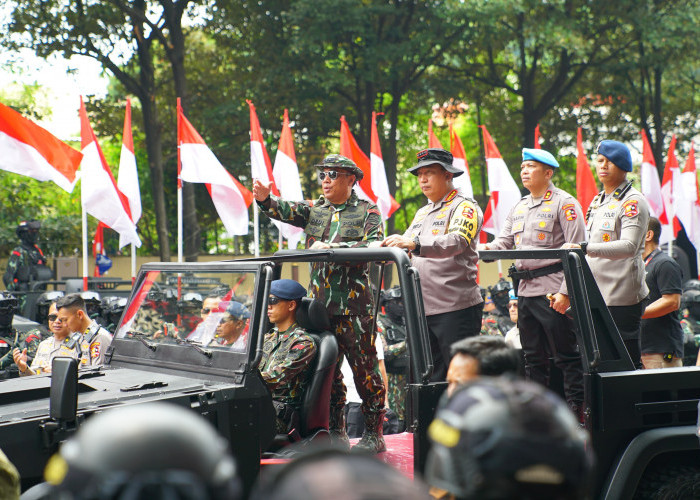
272	300
206	310
53	317
332	174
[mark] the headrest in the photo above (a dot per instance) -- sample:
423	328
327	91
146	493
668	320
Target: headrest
312	315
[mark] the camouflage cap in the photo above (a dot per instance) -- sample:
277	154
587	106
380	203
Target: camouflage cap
340	161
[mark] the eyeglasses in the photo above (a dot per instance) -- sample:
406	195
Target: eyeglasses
513	304
206	310
272	300
332	174
53	317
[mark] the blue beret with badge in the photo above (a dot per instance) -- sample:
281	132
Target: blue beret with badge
617	153
541	156
287	289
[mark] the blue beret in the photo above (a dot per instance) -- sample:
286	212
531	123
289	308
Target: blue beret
237	310
511	295
287	289
617	153
541	156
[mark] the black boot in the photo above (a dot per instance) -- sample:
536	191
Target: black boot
372	440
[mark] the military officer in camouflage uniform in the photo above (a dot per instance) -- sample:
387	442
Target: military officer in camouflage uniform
339	219
616	223
26	262
442	240
392	328
11	339
48	349
546	218
288	352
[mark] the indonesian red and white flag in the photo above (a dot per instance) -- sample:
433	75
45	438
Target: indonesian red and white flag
199	164
100	195
464	182
672	194
504	191
27	149
689	213
536	144
350	149
128	178
286	175
651	186
433	141
260	165
385	202
586	188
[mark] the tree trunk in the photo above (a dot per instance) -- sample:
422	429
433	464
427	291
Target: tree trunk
176	55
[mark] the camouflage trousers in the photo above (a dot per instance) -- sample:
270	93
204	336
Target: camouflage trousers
356	342
397	394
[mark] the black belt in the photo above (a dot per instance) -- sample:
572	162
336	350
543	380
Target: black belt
529	274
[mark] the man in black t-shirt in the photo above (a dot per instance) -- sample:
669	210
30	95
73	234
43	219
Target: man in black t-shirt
662	335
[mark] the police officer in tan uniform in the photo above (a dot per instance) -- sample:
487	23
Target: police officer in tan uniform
546	218
616	223
442	240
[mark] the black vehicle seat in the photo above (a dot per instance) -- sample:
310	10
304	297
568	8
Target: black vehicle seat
316	402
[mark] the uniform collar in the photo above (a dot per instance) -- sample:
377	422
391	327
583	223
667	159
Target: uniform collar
446	199
547	196
352	201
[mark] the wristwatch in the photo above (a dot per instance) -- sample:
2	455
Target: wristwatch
416	241
584	245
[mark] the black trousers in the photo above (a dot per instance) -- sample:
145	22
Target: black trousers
628	320
447	328
545	333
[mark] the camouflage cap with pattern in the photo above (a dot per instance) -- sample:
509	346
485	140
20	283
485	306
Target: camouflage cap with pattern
341	162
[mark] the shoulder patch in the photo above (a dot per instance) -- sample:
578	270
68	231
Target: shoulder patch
373	211
569	211
631	208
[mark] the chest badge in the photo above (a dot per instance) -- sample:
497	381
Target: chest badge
540	236
542	224
606	237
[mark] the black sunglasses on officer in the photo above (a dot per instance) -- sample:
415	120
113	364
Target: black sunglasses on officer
332	174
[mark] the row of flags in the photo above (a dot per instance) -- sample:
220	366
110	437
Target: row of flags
30	150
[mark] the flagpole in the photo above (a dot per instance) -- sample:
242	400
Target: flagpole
179	190
256	230
495	220
133	264
85	243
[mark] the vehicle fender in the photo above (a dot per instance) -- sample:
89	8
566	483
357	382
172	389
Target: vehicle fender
628	470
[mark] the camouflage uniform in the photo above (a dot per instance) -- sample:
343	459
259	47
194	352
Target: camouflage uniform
494	323
14	339
394	354
22	265
344	290
286	359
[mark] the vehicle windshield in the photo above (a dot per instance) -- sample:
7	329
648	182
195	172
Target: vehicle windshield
206	308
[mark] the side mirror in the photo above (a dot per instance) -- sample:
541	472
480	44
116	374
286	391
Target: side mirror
63	400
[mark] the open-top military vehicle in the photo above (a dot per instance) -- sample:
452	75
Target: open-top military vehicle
641	422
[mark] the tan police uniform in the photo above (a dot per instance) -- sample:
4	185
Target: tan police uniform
445	233
545	223
616	225
93	345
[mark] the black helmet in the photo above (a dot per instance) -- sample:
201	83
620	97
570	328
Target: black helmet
93	303
191	302
144	451
691	285
8	306
498	438
499	294
690	300
28	230
43	303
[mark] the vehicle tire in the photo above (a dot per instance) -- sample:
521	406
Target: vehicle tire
670	482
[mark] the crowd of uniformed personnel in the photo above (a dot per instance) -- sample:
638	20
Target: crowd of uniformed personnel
442	243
